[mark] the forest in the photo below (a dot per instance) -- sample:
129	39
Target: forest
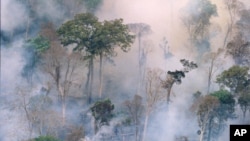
120	70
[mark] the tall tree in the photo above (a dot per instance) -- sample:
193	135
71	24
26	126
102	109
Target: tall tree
81	31
109	35
244	101
175	77
205	109
56	63
95	38
197	23
233	7
213	111
214	61
140	30
224	112
154	95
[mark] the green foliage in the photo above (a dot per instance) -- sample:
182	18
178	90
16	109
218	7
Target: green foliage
110	34
224	96
236	78
222	113
35	47
79	31
227	104
93	36
102	111
39	44
213	112
244	101
46	138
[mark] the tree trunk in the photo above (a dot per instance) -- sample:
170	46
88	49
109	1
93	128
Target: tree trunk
28	21
210	72
209	129
226	37
100	75
62	100
202	135
63	110
203	132
230	27
139	63
136	133
91	78
145	127
244	110
169	93
89	83
96	127
28	118
136	130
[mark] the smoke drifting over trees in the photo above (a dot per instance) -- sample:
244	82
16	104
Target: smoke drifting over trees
94	70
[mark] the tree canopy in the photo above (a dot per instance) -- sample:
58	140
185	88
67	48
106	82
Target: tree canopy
235	78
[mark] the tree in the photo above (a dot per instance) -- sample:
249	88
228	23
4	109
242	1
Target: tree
243	24
80	31
102	112
135	109
213	111
22	102
214	62
233	7
110	35
205	110
174	77
235	78
154	94
244	101
95	38
140	30
224	112
36	47
56	62
198	23
44	119
239	49
64	70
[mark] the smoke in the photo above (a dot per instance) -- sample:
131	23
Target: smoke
120	77
13	15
